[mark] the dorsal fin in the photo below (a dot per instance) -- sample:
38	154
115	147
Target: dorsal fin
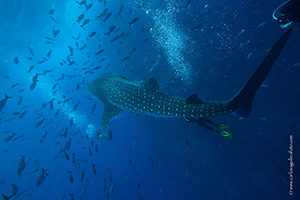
193	99
151	84
112	75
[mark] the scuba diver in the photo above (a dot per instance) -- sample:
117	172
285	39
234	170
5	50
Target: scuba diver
289	14
222	129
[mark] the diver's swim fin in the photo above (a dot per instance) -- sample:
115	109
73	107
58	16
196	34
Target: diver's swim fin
222	126
225	133
242	101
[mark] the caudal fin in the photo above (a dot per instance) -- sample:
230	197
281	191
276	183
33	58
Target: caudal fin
7	97
241	103
6	197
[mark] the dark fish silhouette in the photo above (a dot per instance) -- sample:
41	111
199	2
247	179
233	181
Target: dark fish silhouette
51	103
93	108
15	113
49	53
71	121
75	107
47	71
42	139
66	155
107	17
73	158
13	85
110	30
80	17
151	161
92	34
126	177
104	13
129	160
14	189
111	189
51	11
30	68
39	122
53	19
16	60
117	37
22	114
49	38
133	21
82	175
20	100
135	172
71	179
104	184
139	185
35	77
66	133
109	175
85	22
54	86
109	135
56	113
21	165
94	169
9	138
44	105
83	2
99	52
90	151
71	196
30	50
120	10
68	144
42	61
96	148
133	50
71	50
41	178
32	85
55	32
89	6
124	59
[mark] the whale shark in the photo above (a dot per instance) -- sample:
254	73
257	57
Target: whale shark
117	93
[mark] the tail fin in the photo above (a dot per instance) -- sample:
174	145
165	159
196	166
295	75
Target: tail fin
241	103
6	197
7	97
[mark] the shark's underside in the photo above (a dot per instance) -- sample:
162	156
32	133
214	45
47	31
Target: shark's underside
118	94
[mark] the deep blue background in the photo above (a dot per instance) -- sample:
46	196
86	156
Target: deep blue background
190	48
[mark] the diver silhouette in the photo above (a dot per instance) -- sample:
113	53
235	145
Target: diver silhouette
289	15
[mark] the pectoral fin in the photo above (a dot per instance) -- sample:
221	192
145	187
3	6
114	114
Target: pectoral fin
108	113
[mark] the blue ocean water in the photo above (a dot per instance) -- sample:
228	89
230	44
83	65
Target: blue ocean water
208	48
